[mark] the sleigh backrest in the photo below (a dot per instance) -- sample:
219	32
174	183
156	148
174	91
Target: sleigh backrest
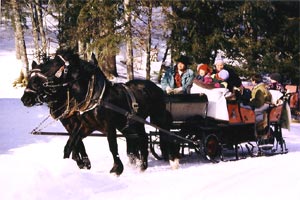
275	113
185	106
240	115
294	99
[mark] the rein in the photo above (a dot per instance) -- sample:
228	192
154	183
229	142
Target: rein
137	118
39	128
49	84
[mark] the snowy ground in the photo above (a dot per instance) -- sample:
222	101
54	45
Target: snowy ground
32	166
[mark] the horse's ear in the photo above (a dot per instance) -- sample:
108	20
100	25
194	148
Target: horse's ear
94	61
34	64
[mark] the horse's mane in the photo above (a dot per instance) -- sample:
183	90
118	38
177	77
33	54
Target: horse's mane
90	67
69	55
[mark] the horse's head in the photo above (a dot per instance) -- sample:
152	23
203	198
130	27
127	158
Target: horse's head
58	80
44	80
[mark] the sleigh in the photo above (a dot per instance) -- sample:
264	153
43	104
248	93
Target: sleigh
214	126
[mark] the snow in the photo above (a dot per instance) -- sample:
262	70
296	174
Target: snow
32	166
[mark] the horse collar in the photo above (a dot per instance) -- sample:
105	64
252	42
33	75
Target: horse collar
88	99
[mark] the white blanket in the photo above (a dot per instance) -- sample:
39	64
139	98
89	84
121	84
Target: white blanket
275	95
286	116
217	106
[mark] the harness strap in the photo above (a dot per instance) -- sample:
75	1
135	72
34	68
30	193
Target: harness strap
66	62
98	101
134	104
89	95
143	121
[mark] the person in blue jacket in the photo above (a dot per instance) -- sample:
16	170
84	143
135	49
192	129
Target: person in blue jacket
179	78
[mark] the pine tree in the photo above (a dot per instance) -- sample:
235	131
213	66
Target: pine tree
262	35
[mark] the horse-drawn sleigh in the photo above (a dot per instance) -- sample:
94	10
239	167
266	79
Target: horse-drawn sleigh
79	95
220	125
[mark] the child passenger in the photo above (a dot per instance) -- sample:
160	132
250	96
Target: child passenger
204	73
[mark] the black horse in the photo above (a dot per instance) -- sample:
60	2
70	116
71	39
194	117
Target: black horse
79	94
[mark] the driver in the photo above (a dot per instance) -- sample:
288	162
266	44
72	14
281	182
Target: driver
178	79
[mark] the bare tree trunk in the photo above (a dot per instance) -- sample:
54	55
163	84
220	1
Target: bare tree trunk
21	43
162	67
34	30
81	50
129	49
148	48
41	26
111	65
0	11
17	47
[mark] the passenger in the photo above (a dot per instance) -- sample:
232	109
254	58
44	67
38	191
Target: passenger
178	79
220	78
260	100
276	88
230	77
204	73
275	84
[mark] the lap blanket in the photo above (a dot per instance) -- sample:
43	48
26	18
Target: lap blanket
286	117
217	106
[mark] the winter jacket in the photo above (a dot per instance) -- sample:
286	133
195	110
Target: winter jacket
233	80
260	95
186	79
207	79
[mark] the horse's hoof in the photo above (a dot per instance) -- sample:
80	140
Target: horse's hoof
132	159
117	169
67	153
86	163
83	165
80	164
142	165
174	163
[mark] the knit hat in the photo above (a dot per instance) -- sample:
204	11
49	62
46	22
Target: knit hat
219	59
222	75
204	67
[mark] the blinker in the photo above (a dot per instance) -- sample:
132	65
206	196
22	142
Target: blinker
59	72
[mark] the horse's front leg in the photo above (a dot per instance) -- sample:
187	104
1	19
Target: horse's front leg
113	147
143	143
142	146
71	143
80	156
132	151
76	146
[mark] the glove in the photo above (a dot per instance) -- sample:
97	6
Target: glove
217	85
178	90
207	80
169	90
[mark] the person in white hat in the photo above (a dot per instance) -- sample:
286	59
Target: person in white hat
227	75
